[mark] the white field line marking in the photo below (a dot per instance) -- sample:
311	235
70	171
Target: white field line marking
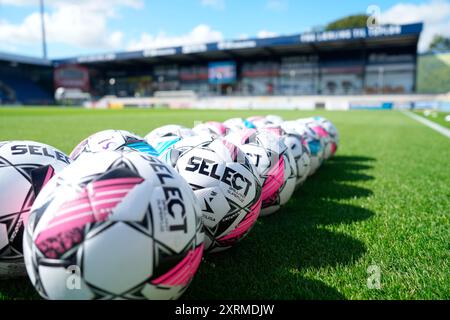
433	125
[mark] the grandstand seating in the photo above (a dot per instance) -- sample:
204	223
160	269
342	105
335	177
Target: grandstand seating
26	91
7	95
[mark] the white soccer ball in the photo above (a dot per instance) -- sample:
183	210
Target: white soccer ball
213	128
181	145
274	119
299	148
238	124
162	144
25	167
321	133
163	138
259	121
315	144
169	130
111	140
301	153
264	121
227	186
114	225
274	162
331	129
255	118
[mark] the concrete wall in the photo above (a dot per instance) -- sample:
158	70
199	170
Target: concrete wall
275	102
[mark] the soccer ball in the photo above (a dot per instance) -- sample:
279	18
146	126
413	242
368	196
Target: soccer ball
114	225
169	130
269	120
255	118
163	138
25	167
213	128
112	140
274	162
299	148
323	135
274	119
259	121
164	144
238	124
331	130
301	153
182	145
315	144
227	186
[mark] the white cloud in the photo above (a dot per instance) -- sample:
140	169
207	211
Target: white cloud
435	14
266	34
277	5
200	34
215	4
81	23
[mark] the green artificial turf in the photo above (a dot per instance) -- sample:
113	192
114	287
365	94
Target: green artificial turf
437	116
384	200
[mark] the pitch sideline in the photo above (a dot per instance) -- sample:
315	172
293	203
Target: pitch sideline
442	130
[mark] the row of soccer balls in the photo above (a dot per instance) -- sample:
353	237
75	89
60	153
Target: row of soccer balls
130	217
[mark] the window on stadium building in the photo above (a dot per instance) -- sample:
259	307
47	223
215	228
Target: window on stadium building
299	75
166	78
389	73
260	78
341	79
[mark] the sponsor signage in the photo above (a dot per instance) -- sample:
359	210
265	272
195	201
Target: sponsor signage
97	57
222	72
195	48
349	34
159	52
71	76
230	45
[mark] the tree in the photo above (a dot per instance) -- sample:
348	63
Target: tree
353	21
433	73
440	43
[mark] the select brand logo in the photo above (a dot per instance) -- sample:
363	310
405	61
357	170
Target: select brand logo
210	168
21	149
173	195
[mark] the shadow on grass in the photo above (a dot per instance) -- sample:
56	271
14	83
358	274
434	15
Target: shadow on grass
269	264
20	288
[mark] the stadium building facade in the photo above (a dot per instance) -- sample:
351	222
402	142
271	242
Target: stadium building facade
381	60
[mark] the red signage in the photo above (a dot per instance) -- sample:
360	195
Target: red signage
72	76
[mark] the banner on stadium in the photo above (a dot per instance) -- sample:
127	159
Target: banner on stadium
223	72
72	76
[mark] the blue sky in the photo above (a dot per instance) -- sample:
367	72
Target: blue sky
77	27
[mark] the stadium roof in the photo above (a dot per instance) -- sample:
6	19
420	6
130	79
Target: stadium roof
309	42
24	59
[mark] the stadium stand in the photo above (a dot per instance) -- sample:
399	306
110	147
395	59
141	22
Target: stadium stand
297	71
338	62
25	80
25	91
